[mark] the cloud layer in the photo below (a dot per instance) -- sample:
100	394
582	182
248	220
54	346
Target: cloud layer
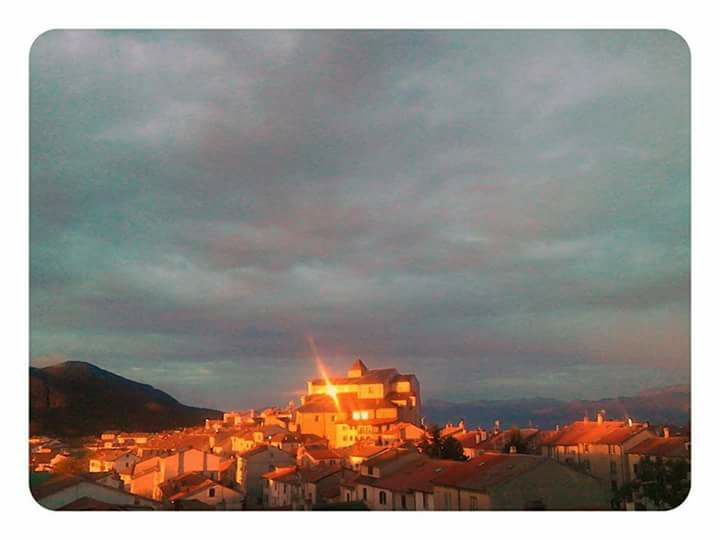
505	213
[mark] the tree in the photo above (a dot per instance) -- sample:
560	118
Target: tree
663	482
516	439
436	446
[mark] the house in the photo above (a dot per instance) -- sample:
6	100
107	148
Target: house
313	456
252	464
360	406
47	461
362	487
195	486
405	487
121	461
599	447
473	442
295	488
321	485
495	481
150	473
288	442
479	441
61	491
402	432
282	489
359	453
654	449
133	439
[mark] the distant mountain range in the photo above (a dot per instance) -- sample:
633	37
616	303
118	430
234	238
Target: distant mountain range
668	405
77	398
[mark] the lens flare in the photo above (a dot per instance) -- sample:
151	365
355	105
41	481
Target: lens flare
330	389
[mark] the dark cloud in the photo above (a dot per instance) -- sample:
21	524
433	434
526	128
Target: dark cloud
475	206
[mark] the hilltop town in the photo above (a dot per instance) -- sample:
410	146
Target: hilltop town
358	442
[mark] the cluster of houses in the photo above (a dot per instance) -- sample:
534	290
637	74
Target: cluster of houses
354	442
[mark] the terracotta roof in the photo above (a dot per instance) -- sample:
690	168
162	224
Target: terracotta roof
186	485
315	474
398	426
416	476
108	455
391	453
320	453
609	432
662	447
253	451
488	470
283	474
362	450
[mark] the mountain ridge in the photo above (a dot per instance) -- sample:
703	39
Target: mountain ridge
79	398
663	405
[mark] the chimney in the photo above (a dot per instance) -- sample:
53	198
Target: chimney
497	426
629	422
461	424
483	435
600	417
557	427
666	432
477	437
586	419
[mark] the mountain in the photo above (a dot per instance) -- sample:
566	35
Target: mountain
668	405
78	398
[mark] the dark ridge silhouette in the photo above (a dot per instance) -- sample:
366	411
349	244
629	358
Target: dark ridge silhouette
78	398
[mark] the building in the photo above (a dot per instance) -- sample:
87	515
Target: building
402	432
253	464
313	456
598	447
121	461
517	482
360	406
408	486
195	486
61	491
150	473
654	449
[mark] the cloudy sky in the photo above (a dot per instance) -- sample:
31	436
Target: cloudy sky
505	214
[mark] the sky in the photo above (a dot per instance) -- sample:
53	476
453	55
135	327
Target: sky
505	214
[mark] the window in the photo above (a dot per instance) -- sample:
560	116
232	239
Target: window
613	467
347	496
364	494
383	497
317	418
211	492
586	448
473	502
403	503
447	500
284	488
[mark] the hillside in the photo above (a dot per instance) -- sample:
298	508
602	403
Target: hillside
669	405
78	398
